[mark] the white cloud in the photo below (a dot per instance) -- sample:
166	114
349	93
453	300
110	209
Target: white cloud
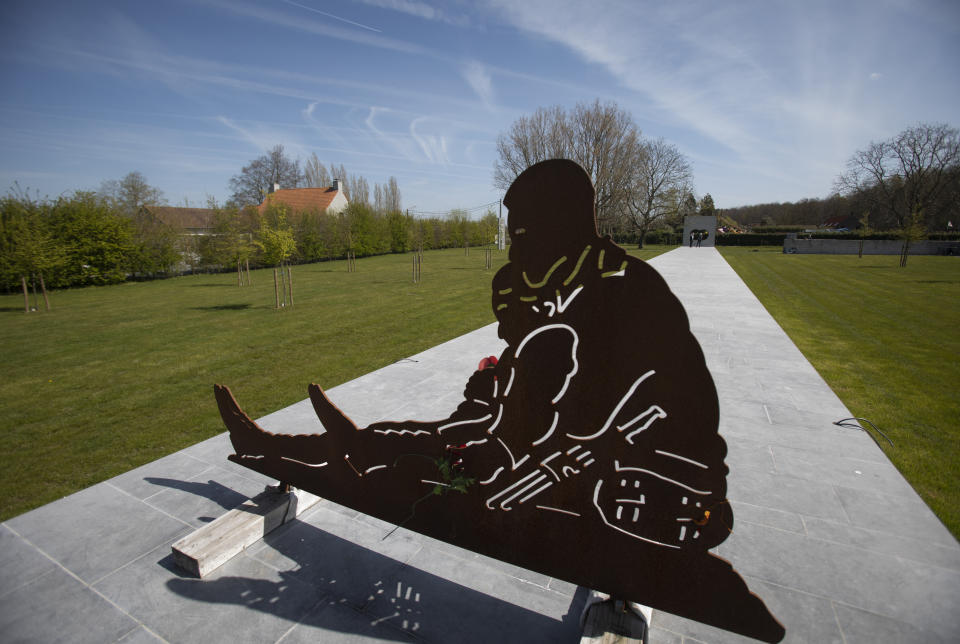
434	147
248	135
330	136
270	16
777	87
701	78
479	80
263	137
419	10
876	76
400	144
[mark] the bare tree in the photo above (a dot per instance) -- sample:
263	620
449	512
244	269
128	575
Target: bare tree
599	136
153	248
341	174
659	173
531	139
315	174
604	143
257	178
386	198
359	190
906	175
378	198
131	193
391	196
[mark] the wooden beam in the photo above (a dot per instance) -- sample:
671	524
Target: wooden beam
211	546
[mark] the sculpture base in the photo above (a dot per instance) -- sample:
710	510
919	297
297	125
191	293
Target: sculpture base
206	549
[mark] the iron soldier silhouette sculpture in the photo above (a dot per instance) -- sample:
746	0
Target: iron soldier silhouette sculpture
588	452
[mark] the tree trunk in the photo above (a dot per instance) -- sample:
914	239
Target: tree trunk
247	262
904	253
43	289
239	274
26	295
276	289
290	284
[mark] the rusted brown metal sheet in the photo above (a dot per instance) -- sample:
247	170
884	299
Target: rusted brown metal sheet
589	451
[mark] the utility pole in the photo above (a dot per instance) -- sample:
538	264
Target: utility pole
501	242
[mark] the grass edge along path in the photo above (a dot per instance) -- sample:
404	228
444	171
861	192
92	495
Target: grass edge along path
118	376
887	340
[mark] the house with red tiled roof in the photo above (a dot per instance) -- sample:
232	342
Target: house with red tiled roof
331	200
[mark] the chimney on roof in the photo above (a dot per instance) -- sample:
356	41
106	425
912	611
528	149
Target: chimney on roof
336	184
276	187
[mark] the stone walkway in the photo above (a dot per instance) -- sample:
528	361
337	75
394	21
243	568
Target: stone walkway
827	531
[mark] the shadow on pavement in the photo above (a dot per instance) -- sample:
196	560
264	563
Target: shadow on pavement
362	592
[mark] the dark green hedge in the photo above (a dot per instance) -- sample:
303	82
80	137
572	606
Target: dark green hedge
777	239
652	237
779	229
764	237
751	239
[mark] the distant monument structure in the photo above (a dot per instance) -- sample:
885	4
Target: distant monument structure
698	223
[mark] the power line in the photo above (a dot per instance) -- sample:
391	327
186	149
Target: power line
447	212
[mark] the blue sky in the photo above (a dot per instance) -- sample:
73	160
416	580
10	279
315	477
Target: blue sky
767	99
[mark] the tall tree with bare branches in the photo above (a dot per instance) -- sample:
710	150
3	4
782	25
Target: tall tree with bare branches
258	177
904	177
130	194
315	174
391	196
359	189
659	171
599	136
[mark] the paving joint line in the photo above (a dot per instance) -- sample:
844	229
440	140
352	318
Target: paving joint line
85	584
149	505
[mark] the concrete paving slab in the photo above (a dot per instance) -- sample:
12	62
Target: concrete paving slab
96	530
840	470
892	514
813	619
771	517
179	466
661	636
335	623
889	586
787	493
243	601
20	562
826	531
204	497
825	439
831	536
863	627
341	556
58	607
141	636
426	598
883	542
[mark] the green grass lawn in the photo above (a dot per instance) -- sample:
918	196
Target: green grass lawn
887	340
114	377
